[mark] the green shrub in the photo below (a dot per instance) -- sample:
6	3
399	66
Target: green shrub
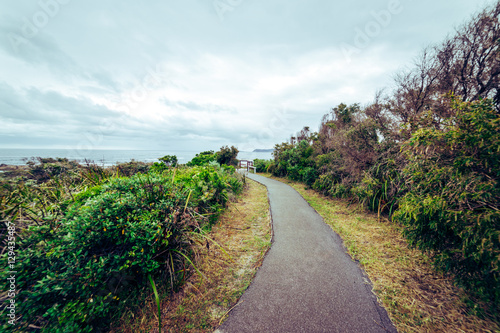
211	186
230	169
339	190
158	167
382	186
74	273
262	165
202	158
169	160
227	156
308	175
452	206
323	183
131	168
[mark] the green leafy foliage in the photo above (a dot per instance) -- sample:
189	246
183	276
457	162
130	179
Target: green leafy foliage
295	162
383	184
227	156
262	165
452	206
76	268
203	158
169	160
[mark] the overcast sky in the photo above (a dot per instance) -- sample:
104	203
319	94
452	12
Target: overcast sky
199	74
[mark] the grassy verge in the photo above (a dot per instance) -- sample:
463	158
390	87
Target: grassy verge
416	297
201	304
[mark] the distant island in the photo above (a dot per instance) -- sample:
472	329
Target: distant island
263	150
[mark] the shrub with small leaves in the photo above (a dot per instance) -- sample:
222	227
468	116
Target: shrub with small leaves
74	273
452	205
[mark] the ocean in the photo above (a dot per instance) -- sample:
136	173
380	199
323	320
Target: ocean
107	157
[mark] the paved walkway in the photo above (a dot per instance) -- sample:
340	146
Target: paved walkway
307	282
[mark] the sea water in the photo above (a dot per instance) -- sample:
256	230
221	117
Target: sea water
107	157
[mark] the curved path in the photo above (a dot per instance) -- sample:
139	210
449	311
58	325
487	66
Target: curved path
307	282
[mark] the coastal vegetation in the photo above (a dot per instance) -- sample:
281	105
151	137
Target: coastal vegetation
426	154
228	260
417	297
91	241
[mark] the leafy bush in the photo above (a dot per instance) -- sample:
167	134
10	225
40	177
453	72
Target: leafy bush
76	271
158	167
308	175
131	168
169	160
295	161
227	156
211	186
382	185
262	165
202	158
452	206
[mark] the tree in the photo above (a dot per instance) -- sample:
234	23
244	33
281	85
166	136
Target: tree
203	158
169	160
469	62
227	156
466	64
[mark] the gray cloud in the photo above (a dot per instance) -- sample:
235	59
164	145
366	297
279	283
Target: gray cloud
49	107
172	73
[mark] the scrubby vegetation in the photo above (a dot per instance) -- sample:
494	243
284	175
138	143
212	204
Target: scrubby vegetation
227	257
426	154
89	239
225	156
262	165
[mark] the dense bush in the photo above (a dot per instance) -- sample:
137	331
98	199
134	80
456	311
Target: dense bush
169	160
382	185
74	272
262	165
295	162
203	158
452	206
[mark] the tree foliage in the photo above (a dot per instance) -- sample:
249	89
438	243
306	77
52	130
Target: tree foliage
227	156
452	205
169	160
203	158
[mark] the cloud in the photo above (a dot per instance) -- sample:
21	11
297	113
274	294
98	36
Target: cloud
172	73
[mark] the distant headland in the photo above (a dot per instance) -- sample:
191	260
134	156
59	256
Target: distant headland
263	150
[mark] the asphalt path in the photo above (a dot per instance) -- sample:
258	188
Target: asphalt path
307	282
